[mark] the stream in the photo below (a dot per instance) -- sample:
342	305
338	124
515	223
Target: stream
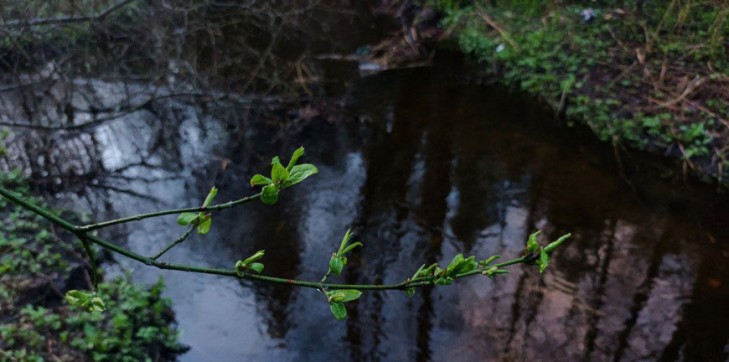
422	166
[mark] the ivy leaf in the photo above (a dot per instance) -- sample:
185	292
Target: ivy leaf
278	172
338	310
211	196
543	260
186	218
295	157
532	244
300	173
269	195
204	226
259	179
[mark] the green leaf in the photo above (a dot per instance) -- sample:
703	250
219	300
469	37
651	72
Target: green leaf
543	261
343	295
211	196
410	292
493	271
336	264
555	244
338	310
186	218
468	265
259	179
350	247
444	281
95	304
255	257
431	270
256	267
204	226
295	157
86	300
532	243
269	195
489	260
438	272
77	297
300	173
419	272
345	241
278	172
455	265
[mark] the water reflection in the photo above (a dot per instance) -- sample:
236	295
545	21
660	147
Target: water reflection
434	168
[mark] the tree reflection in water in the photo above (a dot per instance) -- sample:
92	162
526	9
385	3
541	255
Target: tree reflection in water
439	168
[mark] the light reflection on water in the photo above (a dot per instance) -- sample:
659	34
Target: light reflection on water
435	168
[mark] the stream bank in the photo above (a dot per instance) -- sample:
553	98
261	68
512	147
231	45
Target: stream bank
646	75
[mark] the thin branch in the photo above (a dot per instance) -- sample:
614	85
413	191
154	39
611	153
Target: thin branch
96	121
414	283
504	34
123	220
68	19
92	259
174	243
82	234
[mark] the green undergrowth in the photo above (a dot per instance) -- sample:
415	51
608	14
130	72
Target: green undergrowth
37	267
654	77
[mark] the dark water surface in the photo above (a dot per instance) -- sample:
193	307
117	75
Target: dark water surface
427	167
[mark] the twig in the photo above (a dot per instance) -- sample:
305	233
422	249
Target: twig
68	19
55	219
92	259
174	243
127	219
138	107
690	88
504	34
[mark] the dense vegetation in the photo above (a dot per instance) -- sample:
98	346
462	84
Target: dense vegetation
647	74
37	267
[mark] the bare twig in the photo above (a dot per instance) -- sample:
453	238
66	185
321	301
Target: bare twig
504	34
68	19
